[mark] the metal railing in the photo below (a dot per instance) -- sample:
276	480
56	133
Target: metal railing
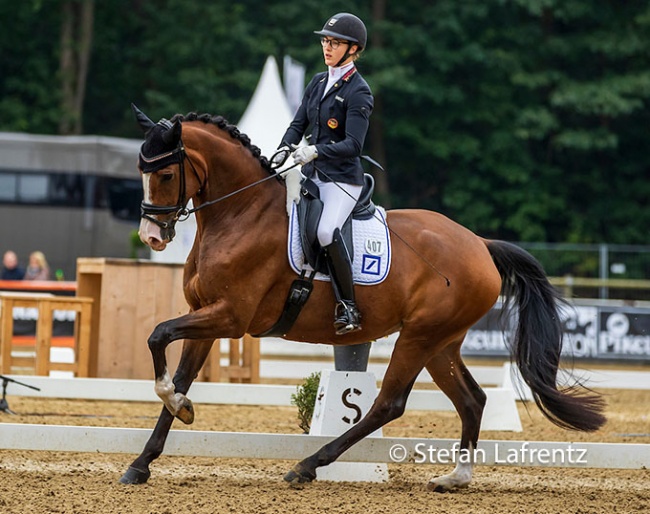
596	270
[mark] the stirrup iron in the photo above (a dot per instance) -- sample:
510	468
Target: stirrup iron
346	318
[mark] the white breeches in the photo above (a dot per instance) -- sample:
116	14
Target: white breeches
339	200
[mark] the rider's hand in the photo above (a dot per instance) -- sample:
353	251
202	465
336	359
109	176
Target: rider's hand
280	156
305	154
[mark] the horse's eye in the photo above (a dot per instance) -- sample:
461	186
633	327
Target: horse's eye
167	177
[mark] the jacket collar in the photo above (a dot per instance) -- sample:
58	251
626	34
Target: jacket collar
348	73
337	74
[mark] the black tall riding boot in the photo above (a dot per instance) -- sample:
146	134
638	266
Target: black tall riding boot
346	316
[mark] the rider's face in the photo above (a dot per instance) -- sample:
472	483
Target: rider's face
333	55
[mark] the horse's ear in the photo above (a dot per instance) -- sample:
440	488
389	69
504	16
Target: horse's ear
172	135
142	119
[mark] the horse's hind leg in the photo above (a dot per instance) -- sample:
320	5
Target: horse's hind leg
192	358
405	364
452	376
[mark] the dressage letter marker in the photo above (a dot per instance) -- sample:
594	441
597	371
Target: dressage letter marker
343	398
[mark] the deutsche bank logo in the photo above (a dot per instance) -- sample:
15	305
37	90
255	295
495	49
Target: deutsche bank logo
371	264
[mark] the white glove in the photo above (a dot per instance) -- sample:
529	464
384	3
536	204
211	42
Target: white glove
305	154
280	156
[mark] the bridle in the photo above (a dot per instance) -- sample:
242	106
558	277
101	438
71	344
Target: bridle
179	210
149	210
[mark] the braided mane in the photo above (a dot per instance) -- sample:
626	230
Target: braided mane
232	130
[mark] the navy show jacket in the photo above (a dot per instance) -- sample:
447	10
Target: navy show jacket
336	124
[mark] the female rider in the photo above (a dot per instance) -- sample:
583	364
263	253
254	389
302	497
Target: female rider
334	117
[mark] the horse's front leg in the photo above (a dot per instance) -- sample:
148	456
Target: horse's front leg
199	324
174	398
192	358
176	402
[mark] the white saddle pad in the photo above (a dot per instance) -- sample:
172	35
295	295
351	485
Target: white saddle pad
372	250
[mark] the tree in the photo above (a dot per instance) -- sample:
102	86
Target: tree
76	43
28	100
377	133
523	120
585	87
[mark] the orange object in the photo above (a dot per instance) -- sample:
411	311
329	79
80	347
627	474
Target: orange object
38	285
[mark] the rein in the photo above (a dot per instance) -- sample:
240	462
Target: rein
182	213
225	197
275	175
393	232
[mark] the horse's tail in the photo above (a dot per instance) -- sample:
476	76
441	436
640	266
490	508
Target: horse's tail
537	341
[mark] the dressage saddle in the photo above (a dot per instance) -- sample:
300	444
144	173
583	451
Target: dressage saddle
310	210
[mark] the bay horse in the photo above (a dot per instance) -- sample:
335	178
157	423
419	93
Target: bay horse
237	276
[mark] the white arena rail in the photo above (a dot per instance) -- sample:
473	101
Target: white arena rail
272	366
296	447
500	412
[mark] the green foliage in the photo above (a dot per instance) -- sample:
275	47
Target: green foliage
305	399
135	244
28	68
521	119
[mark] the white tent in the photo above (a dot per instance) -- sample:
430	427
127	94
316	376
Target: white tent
265	120
268	114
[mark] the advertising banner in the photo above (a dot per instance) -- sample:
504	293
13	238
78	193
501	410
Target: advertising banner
590	332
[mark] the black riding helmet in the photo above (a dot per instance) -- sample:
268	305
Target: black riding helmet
345	26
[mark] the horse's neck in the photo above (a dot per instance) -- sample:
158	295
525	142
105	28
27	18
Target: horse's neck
241	195
231	168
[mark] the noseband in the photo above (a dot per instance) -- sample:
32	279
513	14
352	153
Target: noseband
149	210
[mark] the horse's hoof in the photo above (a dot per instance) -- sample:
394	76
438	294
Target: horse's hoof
440	486
298	477
186	411
436	488
135	476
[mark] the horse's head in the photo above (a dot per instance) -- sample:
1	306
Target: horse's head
223	162
162	166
